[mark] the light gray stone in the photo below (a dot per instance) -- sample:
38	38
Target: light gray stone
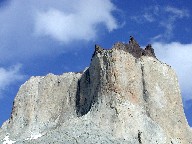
121	98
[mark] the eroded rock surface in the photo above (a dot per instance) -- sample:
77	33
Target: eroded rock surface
125	96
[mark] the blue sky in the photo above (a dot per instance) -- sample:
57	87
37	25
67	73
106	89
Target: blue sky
41	37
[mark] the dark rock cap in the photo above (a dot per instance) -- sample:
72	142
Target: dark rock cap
132	47
149	51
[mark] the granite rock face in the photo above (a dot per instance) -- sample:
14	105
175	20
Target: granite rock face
125	96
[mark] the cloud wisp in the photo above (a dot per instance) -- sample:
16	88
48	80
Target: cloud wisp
165	17
9	76
180	13
173	14
149	15
179	57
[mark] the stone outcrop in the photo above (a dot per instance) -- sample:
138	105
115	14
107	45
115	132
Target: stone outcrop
125	96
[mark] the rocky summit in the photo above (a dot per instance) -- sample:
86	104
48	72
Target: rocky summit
126	96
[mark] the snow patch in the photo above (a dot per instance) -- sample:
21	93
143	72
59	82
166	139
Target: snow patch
34	136
7	140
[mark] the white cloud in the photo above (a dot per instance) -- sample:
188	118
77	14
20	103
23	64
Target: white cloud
179	56
32	28
9	76
79	24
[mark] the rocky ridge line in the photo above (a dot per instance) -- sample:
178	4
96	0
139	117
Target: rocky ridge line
132	47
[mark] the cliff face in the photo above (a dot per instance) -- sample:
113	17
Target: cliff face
125	96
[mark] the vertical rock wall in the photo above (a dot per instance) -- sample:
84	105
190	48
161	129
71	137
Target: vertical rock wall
43	103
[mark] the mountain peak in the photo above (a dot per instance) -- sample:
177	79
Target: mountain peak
125	96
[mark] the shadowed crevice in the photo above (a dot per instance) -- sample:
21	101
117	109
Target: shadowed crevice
85	98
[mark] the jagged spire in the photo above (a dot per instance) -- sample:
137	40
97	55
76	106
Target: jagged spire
132	41
98	49
149	51
134	48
